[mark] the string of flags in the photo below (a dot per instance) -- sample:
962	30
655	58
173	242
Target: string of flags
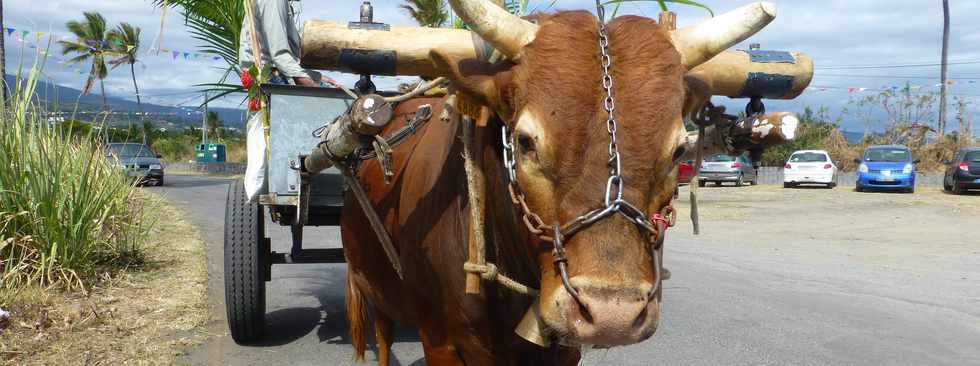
894	88
22	35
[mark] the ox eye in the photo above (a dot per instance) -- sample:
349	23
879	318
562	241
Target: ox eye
526	143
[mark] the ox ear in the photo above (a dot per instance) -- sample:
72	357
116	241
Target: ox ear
482	81
697	92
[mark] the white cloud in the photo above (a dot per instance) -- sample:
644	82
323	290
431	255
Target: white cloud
833	32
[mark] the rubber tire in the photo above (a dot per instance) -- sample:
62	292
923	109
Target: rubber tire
831	185
245	266
787	185
739	182
859	189
957	190
910	190
160	182
947	187
702	183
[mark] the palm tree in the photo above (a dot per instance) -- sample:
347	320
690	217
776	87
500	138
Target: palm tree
428	13
217	24
90	44
125	43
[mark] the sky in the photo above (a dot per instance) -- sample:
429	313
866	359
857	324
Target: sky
842	36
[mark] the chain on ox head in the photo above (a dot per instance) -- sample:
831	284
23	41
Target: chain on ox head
613	202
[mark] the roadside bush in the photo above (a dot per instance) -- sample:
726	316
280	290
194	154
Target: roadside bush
66	212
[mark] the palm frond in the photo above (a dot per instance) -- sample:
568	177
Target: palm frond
663	4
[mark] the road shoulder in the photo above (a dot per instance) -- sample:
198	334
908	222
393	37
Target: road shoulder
139	315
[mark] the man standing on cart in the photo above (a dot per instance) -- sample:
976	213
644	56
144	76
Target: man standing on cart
278	41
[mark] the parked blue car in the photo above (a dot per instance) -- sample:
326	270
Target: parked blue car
888	167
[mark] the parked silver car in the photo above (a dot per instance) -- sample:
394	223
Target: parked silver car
139	162
721	168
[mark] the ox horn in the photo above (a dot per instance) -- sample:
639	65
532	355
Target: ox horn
699	43
507	33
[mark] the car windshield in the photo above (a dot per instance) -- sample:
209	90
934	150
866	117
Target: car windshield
808	157
131	150
972	156
887	155
720	158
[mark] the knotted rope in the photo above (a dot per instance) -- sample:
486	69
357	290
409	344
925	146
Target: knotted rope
490	272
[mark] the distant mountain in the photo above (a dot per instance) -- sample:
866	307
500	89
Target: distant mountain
852	137
65	99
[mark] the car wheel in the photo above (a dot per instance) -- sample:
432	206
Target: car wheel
246	253
702	183
160	182
831	185
910	190
859	189
956	188
946	186
787	185
738	182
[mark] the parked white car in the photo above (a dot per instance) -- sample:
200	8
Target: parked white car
810	167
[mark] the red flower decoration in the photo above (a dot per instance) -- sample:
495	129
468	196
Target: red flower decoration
254	105
246	79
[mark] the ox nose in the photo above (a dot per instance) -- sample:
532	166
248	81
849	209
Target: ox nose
612	315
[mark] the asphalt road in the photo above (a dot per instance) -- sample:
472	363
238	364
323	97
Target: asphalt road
780	277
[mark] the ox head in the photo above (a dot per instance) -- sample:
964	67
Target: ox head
549	93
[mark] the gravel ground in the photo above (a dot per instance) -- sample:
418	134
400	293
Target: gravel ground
778	276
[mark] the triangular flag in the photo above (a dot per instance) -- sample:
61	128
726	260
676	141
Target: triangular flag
25	33
186	54
175	54
40	34
10	31
164	50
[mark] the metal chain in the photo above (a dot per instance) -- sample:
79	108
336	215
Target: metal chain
614	185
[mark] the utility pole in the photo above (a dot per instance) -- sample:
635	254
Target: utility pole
204	122
942	77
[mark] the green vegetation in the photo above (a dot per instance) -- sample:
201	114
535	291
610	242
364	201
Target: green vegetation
909	117
427	13
66	212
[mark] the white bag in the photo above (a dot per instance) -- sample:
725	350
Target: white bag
255	144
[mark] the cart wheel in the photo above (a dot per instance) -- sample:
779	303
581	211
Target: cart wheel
246	264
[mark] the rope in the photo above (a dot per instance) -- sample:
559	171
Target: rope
422	88
699	156
490	272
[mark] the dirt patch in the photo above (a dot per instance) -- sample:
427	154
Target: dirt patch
129	317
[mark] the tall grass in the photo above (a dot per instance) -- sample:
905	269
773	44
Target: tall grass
66	212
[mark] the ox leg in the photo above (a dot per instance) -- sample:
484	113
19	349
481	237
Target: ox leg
439	351
383	336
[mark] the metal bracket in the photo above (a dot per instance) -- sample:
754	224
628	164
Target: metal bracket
760	84
303	194
373	62
369	26
763	56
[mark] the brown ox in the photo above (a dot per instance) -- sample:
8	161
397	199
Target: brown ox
550	96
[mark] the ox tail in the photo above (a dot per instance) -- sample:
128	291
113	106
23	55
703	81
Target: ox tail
356	318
